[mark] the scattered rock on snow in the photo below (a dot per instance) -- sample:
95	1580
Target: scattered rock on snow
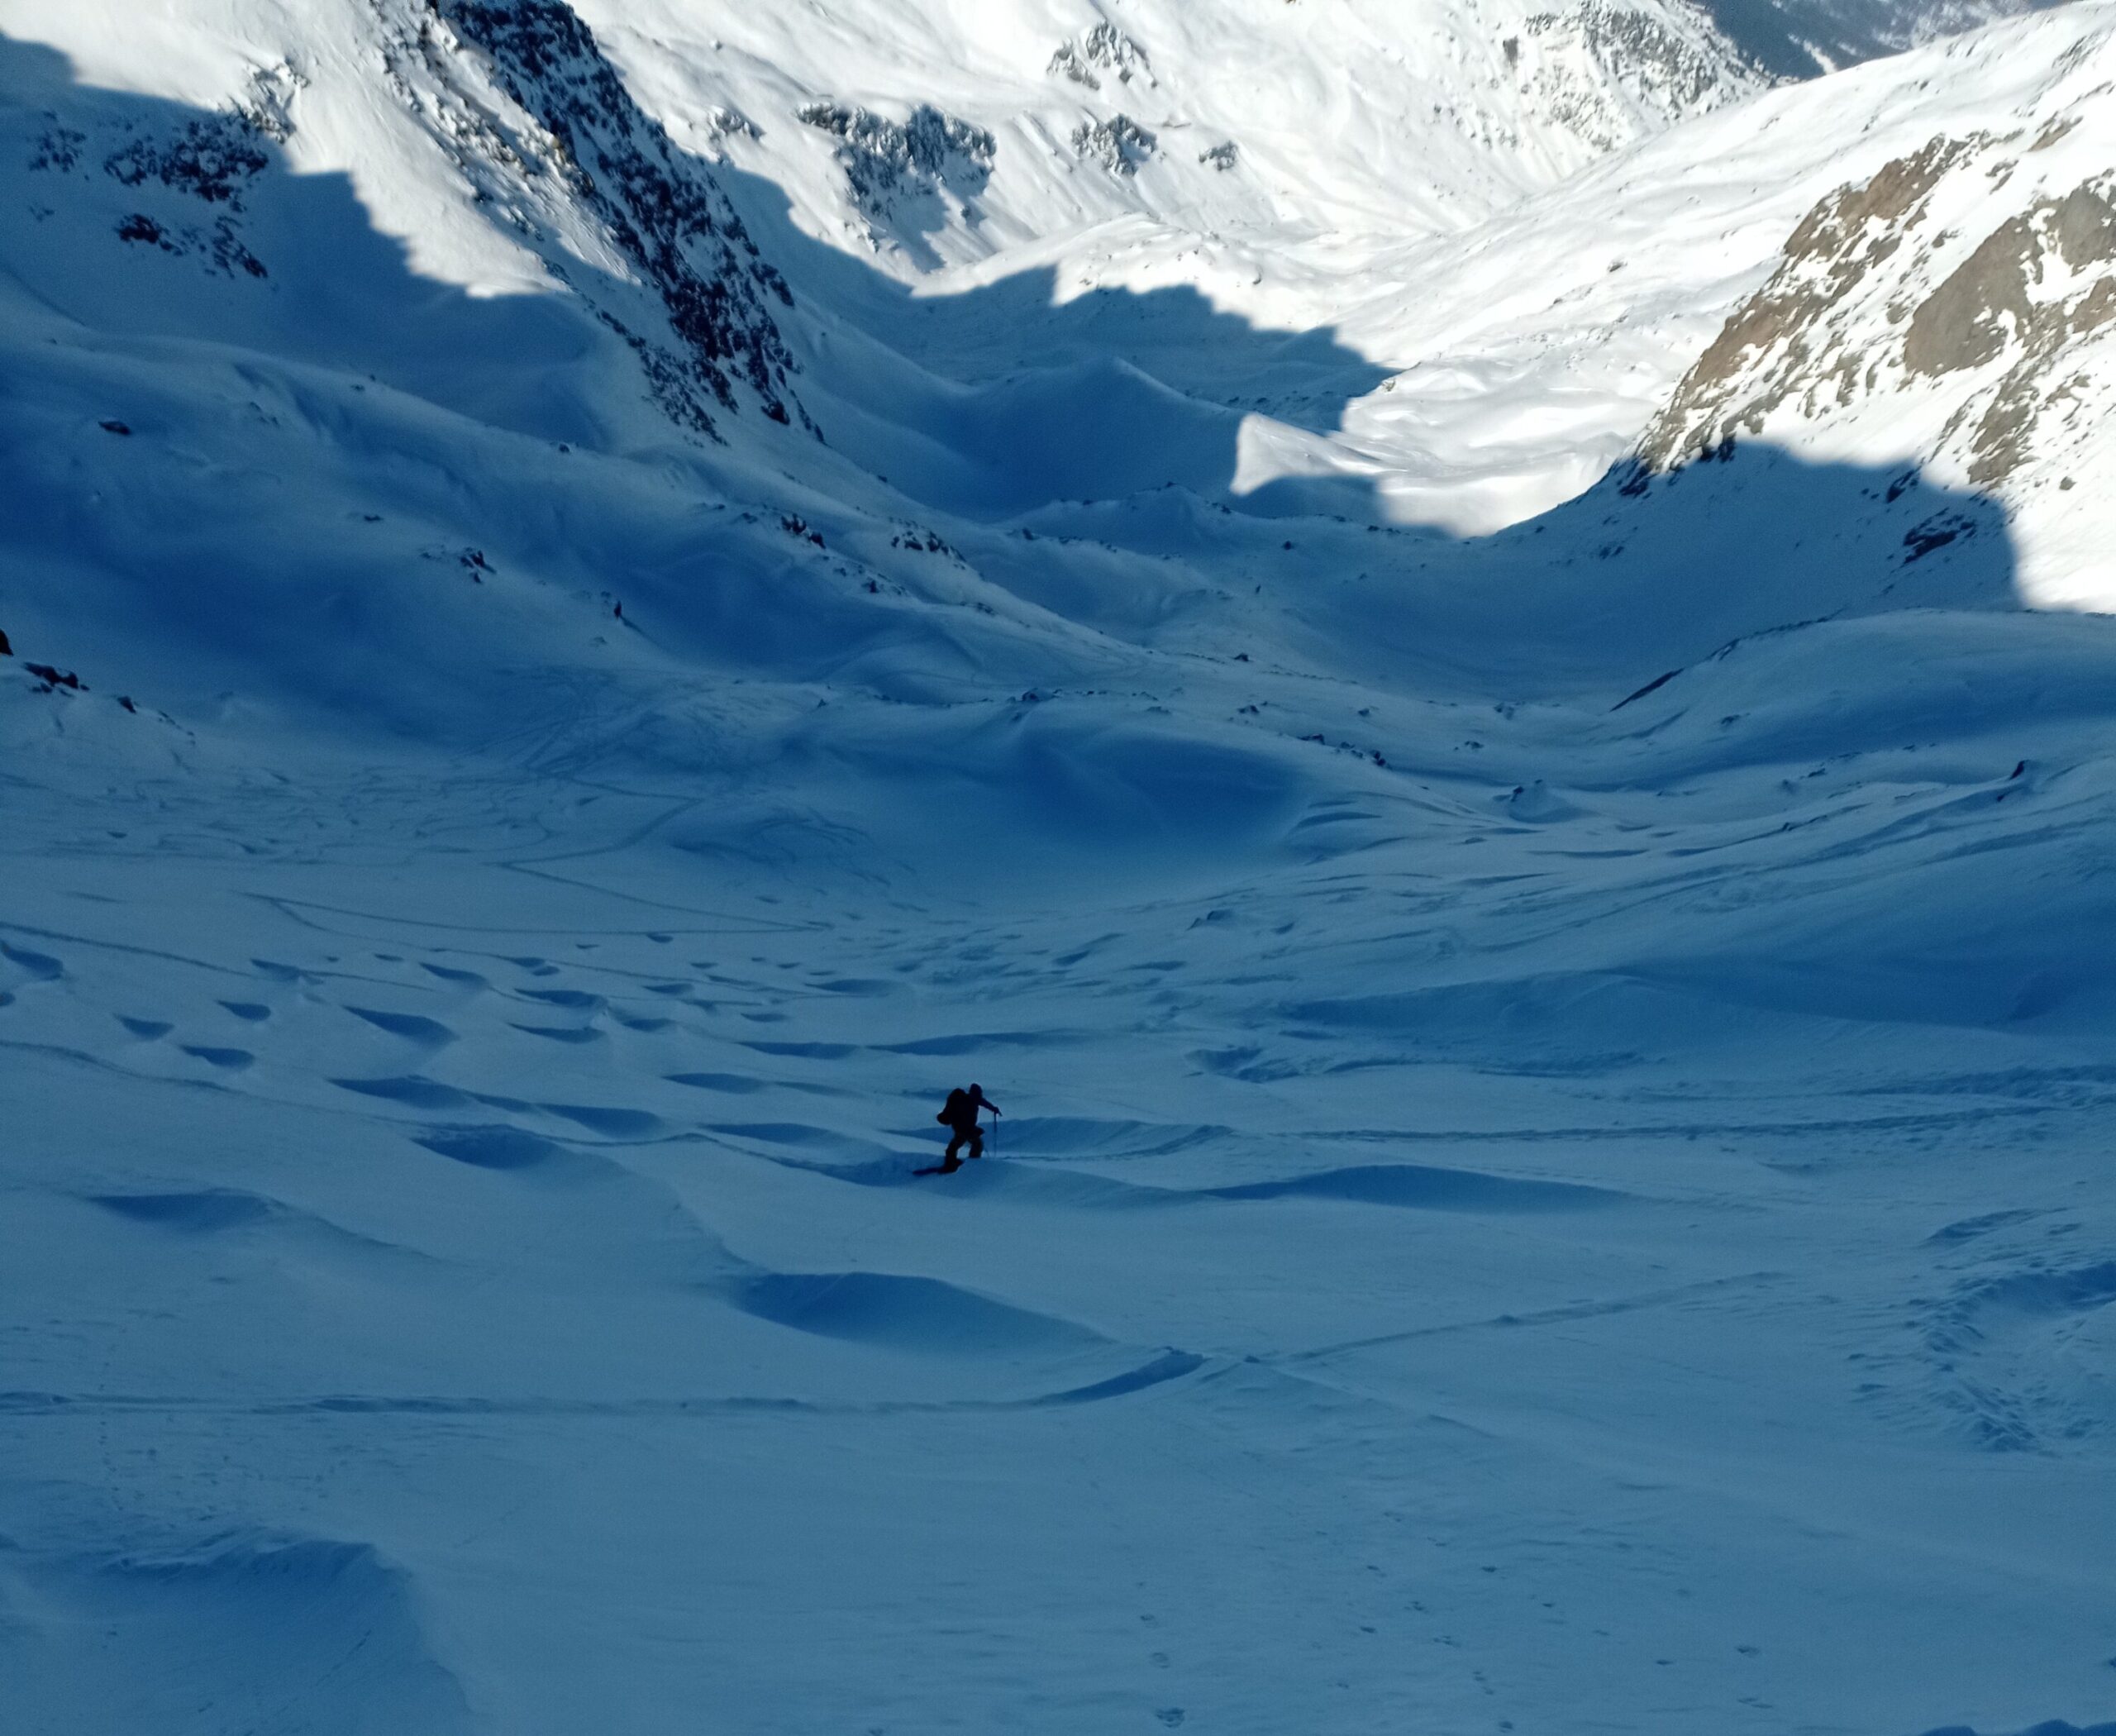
1119	144
1879	293
704	323
1105	49
885	161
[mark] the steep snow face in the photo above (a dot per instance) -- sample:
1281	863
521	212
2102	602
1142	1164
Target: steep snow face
670	224
687	184
495	140
1534	352
1958	305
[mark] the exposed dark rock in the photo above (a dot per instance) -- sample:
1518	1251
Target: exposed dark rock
732	123
2053	129
2083	228
1659	69
212	161
1653	686
1984	308
1818	336
1757	361
884	160
220	247
1119	144
59	150
213	158
1999	440
1936	533
1105	49
661	208
924	542
1957	326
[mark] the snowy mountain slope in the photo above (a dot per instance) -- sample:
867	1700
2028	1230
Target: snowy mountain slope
1959	305
1555	1172
580	193
469	154
1520	358
1540	348
1486	1251
1070	116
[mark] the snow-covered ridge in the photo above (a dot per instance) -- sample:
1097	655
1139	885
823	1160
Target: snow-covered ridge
1957	306
1255	112
692	198
669	222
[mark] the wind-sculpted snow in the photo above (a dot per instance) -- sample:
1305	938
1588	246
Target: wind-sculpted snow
291	1610
1557	1077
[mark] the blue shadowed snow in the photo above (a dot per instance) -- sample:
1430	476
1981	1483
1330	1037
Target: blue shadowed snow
1593	1039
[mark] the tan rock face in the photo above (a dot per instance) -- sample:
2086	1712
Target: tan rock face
1957	326
1874	299
2085	229
1776	345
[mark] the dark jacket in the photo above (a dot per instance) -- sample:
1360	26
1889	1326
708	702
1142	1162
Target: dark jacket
962	1107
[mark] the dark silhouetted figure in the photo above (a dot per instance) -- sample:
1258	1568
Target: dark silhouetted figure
959	1116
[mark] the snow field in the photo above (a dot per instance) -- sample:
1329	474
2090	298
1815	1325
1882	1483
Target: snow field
1557	1080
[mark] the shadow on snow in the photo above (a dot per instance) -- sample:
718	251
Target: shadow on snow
1110	422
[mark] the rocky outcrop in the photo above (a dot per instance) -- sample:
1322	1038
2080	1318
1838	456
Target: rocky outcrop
1609	71
1102	52
1919	287
886	161
2037	285
190	183
1780	345
1119	144
211	158
696	301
